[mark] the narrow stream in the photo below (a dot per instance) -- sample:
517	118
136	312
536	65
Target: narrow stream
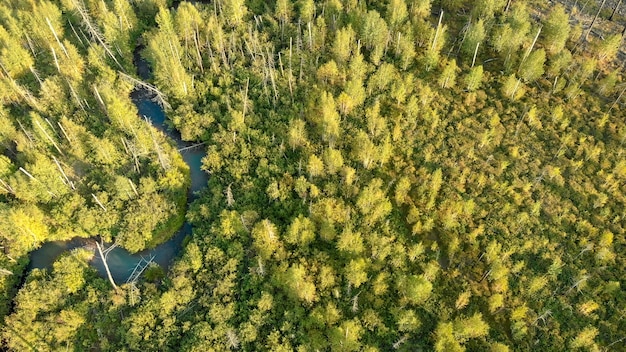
121	262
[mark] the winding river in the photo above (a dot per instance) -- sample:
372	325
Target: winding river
121	262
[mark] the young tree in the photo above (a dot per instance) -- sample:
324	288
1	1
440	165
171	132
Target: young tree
474	36
532	68
234	11
374	34
487	8
266	238
306	10
283	11
301	232
448	75
372	202
474	78
555	30
472	327
297	136
328	120
333	160
343	43
607	49
396	13
299	284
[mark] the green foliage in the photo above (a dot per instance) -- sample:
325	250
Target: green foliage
532	68
555	29
369	189
475	35
474	78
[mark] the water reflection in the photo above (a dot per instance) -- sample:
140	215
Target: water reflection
121	262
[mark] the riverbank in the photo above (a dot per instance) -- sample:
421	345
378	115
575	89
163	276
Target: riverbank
167	239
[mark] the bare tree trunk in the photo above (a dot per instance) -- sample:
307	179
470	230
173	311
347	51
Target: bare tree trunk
245	99
7	187
75	96
195	39
437	31
56	61
69	183
104	107
106	266
615	10
95	32
618	98
531	47
310	36
31	176
36	180
157	148
36	75
132	185
30	45
25	133
52	127
75	33
98	201
475	52
48	136
56	37
290	70
515	89
508	4
159	96
64	133
594	20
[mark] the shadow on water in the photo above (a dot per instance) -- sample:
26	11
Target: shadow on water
121	262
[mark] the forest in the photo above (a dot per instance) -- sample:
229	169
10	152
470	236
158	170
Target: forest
411	175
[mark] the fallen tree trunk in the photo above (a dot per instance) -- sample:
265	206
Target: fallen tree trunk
106	266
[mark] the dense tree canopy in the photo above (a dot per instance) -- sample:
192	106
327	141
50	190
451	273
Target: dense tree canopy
382	175
77	160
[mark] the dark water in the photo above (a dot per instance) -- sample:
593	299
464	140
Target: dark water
121	262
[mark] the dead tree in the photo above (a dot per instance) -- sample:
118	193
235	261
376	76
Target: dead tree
23	92
437	31
233	340
531	47
93	30
7	187
594	20
615	10
98	202
69	183
34	72
36	180
132	185
157	147
475	53
191	146
57	37
141	266
64	133
230	200
160	97
619	96
48	136
508	4
99	97
103	256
